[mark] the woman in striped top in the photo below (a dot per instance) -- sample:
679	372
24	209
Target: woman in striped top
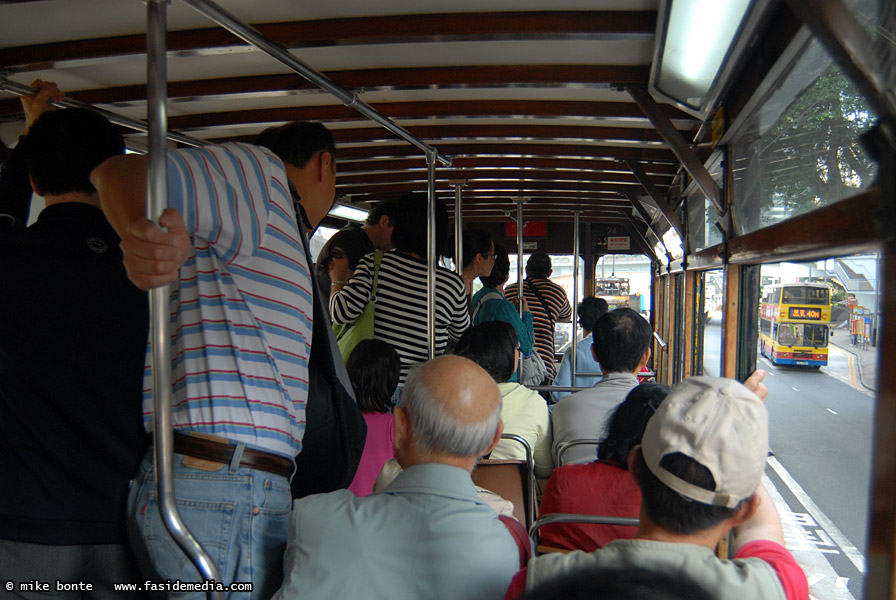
400	315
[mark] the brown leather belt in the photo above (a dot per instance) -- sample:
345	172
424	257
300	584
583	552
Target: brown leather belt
197	447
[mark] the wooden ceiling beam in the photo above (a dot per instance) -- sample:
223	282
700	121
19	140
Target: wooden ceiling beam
486	176
370	79
391	29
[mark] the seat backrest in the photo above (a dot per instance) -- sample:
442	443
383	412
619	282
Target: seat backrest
508	479
573	518
564	446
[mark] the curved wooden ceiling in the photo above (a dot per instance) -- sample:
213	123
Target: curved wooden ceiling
529	104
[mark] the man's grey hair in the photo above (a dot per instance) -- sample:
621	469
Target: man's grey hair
436	431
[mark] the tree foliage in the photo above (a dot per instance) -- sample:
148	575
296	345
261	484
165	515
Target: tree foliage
812	156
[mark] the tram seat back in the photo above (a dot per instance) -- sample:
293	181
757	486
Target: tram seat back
572	518
561	448
510	480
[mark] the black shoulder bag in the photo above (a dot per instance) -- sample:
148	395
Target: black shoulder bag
335	430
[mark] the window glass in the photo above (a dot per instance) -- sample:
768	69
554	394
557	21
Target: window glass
818	325
800	150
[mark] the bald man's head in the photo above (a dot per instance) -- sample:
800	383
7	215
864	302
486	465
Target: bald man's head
453	405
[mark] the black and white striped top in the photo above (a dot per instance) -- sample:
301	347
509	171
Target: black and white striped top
400	308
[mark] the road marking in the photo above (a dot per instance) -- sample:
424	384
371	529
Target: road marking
849	550
830	411
794	389
810	552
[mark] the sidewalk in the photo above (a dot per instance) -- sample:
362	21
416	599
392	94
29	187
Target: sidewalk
866	359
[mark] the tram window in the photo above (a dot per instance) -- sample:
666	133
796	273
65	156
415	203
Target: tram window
800	149
820	379
713	284
702	216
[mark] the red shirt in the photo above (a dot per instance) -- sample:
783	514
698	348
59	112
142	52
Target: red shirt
597	488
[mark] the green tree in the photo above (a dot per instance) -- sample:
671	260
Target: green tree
812	156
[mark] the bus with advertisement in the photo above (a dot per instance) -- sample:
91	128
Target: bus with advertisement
794	321
617	292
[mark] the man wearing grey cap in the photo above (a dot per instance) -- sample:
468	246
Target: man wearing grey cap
699	467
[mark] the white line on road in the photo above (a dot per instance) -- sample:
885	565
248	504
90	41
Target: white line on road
794	389
824	581
830	411
849	550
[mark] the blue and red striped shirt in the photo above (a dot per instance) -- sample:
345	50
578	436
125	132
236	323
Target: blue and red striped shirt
241	312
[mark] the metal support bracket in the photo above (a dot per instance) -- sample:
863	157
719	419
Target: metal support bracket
683	152
655	195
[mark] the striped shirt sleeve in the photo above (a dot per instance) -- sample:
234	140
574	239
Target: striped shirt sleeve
347	304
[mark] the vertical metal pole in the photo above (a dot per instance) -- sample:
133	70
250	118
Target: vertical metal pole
519	253
159	306
431	258
575	293
458	226
519	275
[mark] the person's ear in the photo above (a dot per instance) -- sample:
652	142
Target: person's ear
402	426
746	511
633	463
34	186
594	354
326	163
495	438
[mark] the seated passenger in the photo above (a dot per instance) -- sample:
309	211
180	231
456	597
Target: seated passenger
493	346
489	304
603	487
622	347
699	467
400	314
373	368
590	309
426	535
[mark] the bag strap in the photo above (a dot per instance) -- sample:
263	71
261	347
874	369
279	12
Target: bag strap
541	300
333	362
519	535
485	298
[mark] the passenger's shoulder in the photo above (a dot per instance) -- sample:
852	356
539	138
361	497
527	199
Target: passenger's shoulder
549	566
316	505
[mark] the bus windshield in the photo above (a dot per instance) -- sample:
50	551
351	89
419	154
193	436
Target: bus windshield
801	334
805	295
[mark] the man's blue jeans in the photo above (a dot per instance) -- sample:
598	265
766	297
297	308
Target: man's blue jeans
239	515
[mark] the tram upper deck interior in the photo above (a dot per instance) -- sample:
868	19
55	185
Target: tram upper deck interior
562	113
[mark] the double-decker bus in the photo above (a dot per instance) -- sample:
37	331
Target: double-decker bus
793	324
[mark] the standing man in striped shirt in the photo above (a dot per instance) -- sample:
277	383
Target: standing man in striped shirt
548	303
241	309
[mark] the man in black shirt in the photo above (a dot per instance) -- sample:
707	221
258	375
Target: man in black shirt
73	332
352	242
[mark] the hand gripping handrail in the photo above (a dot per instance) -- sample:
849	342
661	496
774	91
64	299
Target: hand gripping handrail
24	90
159	304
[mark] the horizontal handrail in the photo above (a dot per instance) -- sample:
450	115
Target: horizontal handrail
252	36
24	90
